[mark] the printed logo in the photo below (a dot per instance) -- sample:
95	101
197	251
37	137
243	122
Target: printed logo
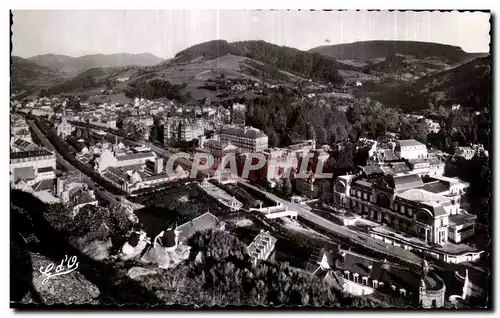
67	266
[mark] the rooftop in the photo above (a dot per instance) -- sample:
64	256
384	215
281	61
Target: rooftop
45	169
422	196
401	183
436	186
461	219
372	169
29	154
247	132
409	143
203	222
139	155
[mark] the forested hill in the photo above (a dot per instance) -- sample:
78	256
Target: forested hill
76	65
467	85
25	73
305	64
380	49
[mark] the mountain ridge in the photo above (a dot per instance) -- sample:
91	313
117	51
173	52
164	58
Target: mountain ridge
383	48
75	65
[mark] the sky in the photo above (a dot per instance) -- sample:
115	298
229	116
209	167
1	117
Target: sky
166	32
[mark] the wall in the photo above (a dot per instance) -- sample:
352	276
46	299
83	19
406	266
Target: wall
357	289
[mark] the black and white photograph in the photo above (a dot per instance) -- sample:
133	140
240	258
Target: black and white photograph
204	158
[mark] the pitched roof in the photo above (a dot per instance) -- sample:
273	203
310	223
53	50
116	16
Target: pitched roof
372	169
409	142
400	167
30	154
24	173
203	222
436	186
425	197
45	169
139	155
252	133
43	185
401	183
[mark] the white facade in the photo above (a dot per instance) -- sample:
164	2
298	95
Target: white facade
411	149
36	160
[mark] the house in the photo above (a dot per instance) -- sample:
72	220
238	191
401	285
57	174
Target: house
32	166
404	203
203	222
20	145
64	129
247	139
465	152
262	247
410	149
360	275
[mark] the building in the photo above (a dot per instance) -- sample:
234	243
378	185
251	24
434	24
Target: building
64	129
136	177
262	247
432	126
32	166
203	222
20	145
404	203
280	162
360	275
219	150
465	152
109	158
247	139
469	152
410	149
189	130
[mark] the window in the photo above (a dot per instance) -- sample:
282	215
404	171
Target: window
355	277
346	274
365	280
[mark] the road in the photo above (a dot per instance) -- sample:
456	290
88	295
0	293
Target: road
105	195
304	211
358	237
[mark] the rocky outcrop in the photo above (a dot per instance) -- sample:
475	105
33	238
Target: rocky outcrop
157	254
71	288
137	271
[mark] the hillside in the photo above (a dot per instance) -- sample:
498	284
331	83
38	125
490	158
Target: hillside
91	79
304	64
367	50
26	75
75	65
467	84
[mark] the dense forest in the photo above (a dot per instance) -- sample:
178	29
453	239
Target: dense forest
219	272
375	49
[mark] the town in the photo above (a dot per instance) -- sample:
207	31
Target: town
399	205
249	173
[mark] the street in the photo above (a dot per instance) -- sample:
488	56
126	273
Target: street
105	195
